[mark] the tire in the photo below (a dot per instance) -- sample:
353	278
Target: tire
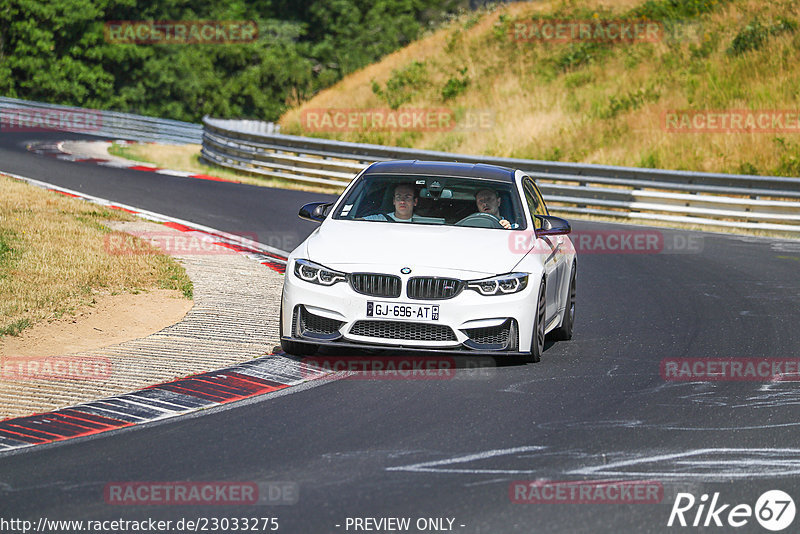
537	339
293	347
564	332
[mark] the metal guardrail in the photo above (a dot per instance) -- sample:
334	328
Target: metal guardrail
25	115
703	199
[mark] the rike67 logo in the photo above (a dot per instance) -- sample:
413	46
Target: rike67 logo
774	510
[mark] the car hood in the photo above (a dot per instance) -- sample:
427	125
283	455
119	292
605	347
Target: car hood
347	245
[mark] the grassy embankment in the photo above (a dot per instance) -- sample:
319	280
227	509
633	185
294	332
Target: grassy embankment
586	102
581	102
53	258
593	102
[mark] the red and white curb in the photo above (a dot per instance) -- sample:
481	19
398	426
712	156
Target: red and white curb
171	399
266	255
262	375
57	151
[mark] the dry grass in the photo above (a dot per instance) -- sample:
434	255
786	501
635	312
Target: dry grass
606	110
53	259
186	158
544	110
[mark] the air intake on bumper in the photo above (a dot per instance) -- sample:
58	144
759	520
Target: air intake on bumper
312	326
501	337
403	330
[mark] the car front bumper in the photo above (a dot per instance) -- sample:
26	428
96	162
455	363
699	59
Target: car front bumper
470	322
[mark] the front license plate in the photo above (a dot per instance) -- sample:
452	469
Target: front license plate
400	310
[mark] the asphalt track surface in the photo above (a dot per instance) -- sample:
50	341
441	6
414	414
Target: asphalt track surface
271	213
596	408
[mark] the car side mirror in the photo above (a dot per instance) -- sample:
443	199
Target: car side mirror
553	226
315	211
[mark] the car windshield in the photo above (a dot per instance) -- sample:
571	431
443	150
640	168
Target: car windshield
435	200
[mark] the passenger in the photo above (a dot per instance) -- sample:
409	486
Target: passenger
405	200
488	201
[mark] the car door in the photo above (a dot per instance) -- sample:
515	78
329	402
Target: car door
562	265
550	250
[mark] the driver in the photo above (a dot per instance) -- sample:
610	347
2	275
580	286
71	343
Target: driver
405	200
488	201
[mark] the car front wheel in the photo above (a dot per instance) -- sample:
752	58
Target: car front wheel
537	339
564	332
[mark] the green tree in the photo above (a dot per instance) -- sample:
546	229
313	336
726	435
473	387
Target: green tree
56	51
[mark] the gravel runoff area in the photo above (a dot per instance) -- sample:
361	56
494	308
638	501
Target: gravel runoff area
234	319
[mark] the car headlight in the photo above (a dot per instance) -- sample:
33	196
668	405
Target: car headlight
316	273
503	284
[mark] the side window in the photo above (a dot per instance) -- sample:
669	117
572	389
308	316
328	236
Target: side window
542	206
534	200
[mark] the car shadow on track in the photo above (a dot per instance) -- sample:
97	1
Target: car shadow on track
374	360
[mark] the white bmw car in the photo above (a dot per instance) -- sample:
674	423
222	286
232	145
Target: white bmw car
431	256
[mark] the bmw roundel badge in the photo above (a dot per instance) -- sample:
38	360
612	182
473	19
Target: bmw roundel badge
405	270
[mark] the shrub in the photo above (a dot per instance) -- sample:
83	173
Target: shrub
455	86
754	35
629	101
747	168
403	84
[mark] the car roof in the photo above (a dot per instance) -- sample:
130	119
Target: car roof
442	168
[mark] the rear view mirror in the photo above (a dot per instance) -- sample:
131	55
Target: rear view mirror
445	193
315	211
553	226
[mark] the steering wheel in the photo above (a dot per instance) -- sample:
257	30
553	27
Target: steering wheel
480	220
